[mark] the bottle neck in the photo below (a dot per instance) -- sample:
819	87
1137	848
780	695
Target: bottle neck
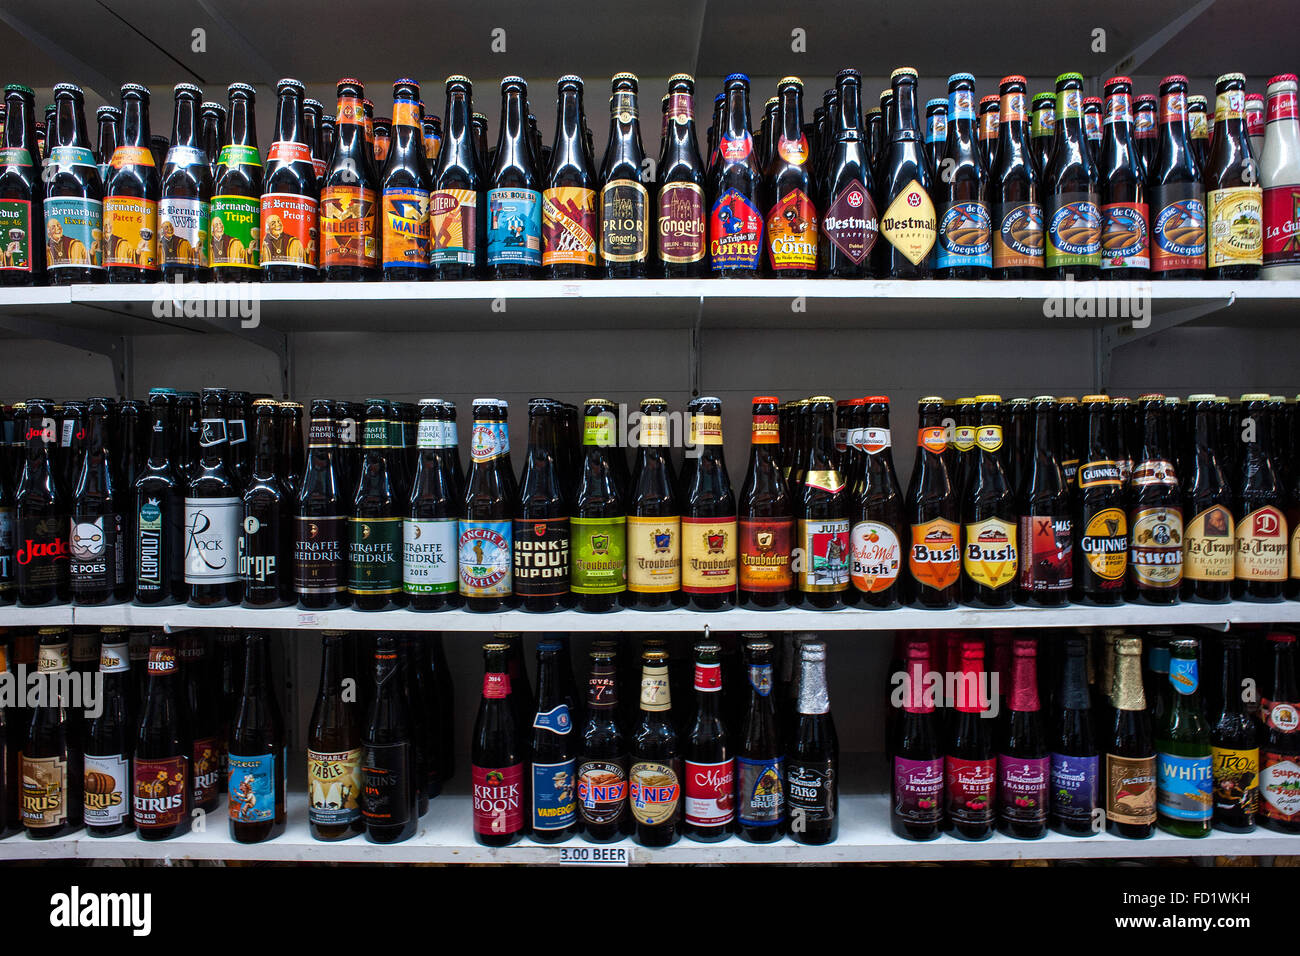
1069	118
1127	693
814	695
548	682
1119	118
1074	681
1024	683
849	114
185	130
902	118
602	687
243	126
68	127
330	671
160	444
254	667
18	116
512	145
264	448
288	118
458	143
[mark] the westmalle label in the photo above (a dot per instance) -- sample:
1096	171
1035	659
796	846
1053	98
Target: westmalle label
909	223
851	223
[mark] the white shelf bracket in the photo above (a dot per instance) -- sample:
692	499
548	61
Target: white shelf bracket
1108	338
116	348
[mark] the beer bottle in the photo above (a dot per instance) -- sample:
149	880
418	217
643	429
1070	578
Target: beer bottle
1255	123
1280	747
1043	128
213	508
381	138
970	764
654	539
1092	126
185	194
682	236
821	505
289	458
708	515
484	542
1122	415
1071	191
423	712
989	121
599	524
1016	190
500	788
1074	780
290	197
1174	187
41	513
74	196
877	510
264	539
552	752
603	814
131	196
404	186
235	219
21	192
765	519
812	764
710	768
514	226
1130	749
989	518
334	786
1208	542
1147	137
212	134
541	526
1279	175
1184	791
1234	747
429	572
432	131
375	520
109	121
1024	766
876	139
96	548
389	795
1234	199
349	418
161	772
349	198
760	775
1125	230
487	157
1155	518
1046	571
917	765
198	696
1199	126
257	756
933	511
8	586
71	443
791	216
889	121
624	199
764	138
456	208
319	563
313	112
1260	525
850	225
908	222
569	224
1100	518
961	187
110	740
936	131
656	763
50	764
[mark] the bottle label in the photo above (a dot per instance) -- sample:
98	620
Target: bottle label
1281	106
1074	790
44	793
989	437
1281	223
706	430
1279	784
599	555
1236	780
484	554
386	782
681	223
106	780
288	230
1125	242
602	791
252	787
1131	789
42	552
1235	223
990	556
1155	547
810	792
735	232
654	792
375	555
429	555
654	555
1047	553
766	430
434	433
1294	563
554	802
1261	546
936	128
971	786
963	438
909	223
877	556
1104	546
233	225
708	555
74	230
569	226
764	554
95	547
932	438
211	539
760	791
183	232
656	694
514	227
965	236
710	793
453	225
936	557
405	227
851	223
1073	231
158	791
792	233
918	790
1177	227
205	769
989	123
825	544
347	227
541	549
318	561
333	787
1022	788
489	440
1019	240
237	154
1185	788
15	232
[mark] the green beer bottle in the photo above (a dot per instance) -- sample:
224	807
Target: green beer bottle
1185	781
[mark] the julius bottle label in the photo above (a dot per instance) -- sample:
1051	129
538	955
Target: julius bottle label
810	792
918	790
708	555
965	236
1209	546
1155	547
333	787
972	790
654	791
1022	788
205	770
1177	227
74	233
158	792
234	223
735	232
599	555
1074	231
429	555
1281	224
453	226
1074	787
555	803
1236	780
1018	242
681	223
851	223
1131	789
514	227
1185	787
760	791
569	226
654	555
602	790
318	555
106	785
909	223
764	554
15	232
211	540
792	233
541	550
375	555
1046	553
825	553
485	551
1235	226
252	787
876	556
386	784
935	558
1262	546
183	232
348	226
710	793
1125	239
405	227
990	557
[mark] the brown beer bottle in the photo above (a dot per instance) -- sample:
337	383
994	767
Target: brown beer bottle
625	200
876	505
1125	230
570	227
257	756
1043	128
334	749
850	225
349	199
1209	541
989	521
708	515
1046	526
965	242
933	511
907	222
1072	198
1155	513
1261	526
1146	109
1174	189
821	560
1100	518
1234	198
1016	191
682	230
735	184
792	222
989	120
234	243
654	545
486	526
162	785
766	516
50	761
290	196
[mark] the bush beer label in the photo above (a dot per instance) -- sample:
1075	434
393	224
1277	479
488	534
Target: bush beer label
1018	243
15	229
1177	227
653	791
385	782
554	801
935	559
1262	546
252	788
158	792
514	227
233	225
792	232
1131	789
1046	553
990	556
1074	231
211	539
735	232
851	224
405	233
183	232
654	554
429	555
681	223
708	555
602	791
918	790
106	802
825	546
972	789
541	557
876	556
347	227
909	223
710	793
764	554
288	227
1235	226
1155	549
74	230
1185	788
318	560
375	555
1125	242
1236	779
965	236
569	226
453	226
1074	787
333	787
1281	225
484	553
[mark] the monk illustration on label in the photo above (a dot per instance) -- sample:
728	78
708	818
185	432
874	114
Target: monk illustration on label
279	246
64	249
174	248
226	249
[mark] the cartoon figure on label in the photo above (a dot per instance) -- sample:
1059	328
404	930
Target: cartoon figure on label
172	247
563	784
245	796
225	248
63	249
88	539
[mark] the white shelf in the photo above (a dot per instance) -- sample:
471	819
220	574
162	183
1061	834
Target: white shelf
846	619
445	837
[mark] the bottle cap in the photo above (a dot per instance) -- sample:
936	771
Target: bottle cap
681	78
1231	78
71	88
245	88
937	101
790	81
288	83
979	399
569	78
904	72
1119	79
960	77
190	88
876	399
19	88
766	400
1013	78
1096	399
736	78
1069	78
